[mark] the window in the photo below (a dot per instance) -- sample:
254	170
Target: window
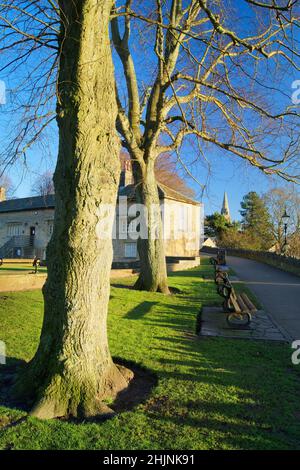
123	225
50	227
14	229
132	226
130	250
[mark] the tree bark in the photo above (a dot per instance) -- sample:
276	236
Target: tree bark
153	274
72	372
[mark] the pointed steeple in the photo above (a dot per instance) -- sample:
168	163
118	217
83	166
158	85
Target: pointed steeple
225	208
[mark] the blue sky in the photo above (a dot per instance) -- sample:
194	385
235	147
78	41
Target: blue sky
227	173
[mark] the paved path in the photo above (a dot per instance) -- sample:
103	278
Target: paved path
278	291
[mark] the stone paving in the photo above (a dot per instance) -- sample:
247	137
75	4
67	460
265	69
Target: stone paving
213	323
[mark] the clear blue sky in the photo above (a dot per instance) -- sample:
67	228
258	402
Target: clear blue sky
227	173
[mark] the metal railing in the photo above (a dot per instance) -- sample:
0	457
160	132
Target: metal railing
21	242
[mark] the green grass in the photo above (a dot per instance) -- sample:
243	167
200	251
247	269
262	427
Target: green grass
211	393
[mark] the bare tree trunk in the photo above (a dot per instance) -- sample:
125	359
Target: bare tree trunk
72	371
153	275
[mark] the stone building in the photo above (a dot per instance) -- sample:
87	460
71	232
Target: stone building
26	224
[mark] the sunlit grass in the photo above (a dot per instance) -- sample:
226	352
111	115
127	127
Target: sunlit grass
211	393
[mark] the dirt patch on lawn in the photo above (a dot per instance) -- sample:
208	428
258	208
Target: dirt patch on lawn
138	390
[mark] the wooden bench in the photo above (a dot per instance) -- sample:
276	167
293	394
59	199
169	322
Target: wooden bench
221	257
221	277
238	307
221	274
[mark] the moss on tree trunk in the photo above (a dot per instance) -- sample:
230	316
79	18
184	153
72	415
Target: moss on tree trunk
72	372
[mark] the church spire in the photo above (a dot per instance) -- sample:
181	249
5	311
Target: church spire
225	208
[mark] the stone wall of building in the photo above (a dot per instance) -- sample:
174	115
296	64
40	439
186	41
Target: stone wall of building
181	221
182	232
182	227
20	223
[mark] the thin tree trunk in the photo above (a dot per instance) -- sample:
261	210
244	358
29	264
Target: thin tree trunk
153	274
72	371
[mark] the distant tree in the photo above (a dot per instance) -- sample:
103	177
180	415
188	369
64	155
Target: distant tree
43	185
233	238
166	172
279	200
216	225
293	248
256	221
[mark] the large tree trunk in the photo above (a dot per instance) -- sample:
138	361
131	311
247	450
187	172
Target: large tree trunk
153	275
72	371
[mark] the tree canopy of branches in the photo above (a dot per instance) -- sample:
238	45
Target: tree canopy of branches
29	55
278	201
43	185
212	79
167	173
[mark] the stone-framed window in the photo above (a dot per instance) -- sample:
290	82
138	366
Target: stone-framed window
130	250
14	229
123	224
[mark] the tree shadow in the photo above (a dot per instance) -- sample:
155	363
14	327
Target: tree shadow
140	310
8	374
122	286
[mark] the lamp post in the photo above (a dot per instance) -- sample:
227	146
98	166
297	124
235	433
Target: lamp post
285	219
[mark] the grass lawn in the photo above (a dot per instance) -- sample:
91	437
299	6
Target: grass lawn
211	393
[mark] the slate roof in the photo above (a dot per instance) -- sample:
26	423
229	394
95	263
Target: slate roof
28	204
48	202
163	191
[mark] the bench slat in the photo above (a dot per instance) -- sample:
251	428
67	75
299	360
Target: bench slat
248	302
235	304
242	305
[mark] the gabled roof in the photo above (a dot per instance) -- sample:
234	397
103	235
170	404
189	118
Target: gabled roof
163	191
28	204
170	193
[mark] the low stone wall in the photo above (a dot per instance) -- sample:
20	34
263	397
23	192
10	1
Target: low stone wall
286	263
22	282
183	264
27	281
18	261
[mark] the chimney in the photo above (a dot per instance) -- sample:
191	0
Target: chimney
2	194
126	177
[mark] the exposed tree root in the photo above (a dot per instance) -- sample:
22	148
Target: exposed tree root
85	399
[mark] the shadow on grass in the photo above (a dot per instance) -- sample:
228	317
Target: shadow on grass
122	286
140	310
8	374
210	393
